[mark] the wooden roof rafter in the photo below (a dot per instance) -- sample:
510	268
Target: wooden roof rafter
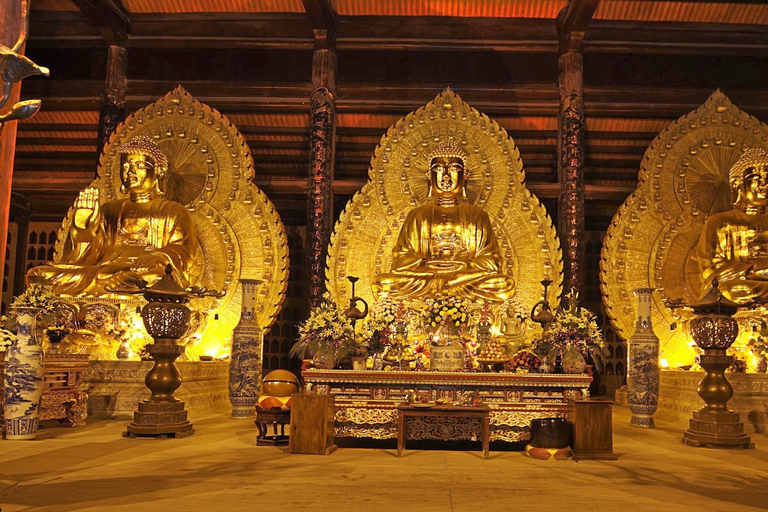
109	16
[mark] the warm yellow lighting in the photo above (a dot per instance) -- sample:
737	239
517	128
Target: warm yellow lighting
663	363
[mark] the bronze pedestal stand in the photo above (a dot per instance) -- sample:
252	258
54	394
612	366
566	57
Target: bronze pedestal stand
714	330
166	318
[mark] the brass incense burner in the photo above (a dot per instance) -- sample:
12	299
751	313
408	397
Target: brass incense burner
166	318
714	330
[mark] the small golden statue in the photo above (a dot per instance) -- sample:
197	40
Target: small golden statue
733	247
113	245
447	243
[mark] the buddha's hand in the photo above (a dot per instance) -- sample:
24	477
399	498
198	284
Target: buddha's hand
758	270
87	209
446	266
150	261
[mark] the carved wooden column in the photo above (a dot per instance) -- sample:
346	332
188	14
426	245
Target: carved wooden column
112	111
571	168
20	214
10	26
322	146
571	24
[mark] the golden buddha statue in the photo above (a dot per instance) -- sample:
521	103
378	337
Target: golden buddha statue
734	244
447	243
110	246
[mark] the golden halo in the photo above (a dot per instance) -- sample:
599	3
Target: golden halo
652	238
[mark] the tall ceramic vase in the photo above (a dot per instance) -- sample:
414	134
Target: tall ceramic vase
643	367
23	379
245	364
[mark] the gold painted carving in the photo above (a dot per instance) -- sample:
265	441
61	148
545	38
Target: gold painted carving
368	228
209	171
652	239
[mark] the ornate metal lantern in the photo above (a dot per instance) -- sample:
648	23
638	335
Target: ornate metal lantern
166	318
714	330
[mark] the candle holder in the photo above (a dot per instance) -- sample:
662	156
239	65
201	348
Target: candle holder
166	318
714	330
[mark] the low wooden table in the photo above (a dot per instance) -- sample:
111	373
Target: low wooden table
443	423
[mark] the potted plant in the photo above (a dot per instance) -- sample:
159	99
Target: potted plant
573	334
327	335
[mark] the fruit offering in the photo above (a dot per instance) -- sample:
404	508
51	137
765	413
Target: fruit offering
494	350
524	362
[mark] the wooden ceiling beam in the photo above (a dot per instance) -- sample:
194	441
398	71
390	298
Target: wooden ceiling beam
572	24
110	17
294	31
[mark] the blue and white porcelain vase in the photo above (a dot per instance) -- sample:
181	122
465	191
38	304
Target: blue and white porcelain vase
23	378
643	367
245	364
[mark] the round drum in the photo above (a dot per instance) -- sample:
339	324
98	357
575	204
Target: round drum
550	433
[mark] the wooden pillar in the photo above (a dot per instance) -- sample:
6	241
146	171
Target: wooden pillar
10	26
322	149
571	168
20	214
572	23
112	111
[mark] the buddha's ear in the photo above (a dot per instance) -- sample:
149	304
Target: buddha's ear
735	192
429	184
160	174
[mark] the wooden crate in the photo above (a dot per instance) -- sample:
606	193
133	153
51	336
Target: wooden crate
592	426
312	418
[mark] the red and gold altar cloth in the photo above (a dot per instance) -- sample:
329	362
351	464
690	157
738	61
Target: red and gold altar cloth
366	401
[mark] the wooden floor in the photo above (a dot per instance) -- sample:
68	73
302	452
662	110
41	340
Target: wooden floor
221	468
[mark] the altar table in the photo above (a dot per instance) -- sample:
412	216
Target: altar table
443	423
367	401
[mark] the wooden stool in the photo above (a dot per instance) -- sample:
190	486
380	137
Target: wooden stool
274	417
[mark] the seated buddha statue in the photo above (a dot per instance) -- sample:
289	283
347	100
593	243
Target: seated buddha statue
112	245
734	244
447	243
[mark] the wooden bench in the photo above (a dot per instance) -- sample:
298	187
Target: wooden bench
443	423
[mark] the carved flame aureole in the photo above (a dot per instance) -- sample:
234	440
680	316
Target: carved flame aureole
239	230
652	239
367	230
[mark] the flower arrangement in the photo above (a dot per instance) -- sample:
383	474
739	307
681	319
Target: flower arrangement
37	295
385	310
574	327
326	334
373	335
758	346
523	362
56	333
447	310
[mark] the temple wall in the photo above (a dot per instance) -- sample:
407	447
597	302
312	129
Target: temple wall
678	397
115	387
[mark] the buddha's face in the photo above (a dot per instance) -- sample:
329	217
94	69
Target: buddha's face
137	172
754	187
447	175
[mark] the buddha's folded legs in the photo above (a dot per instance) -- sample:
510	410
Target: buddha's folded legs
744	290
93	279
